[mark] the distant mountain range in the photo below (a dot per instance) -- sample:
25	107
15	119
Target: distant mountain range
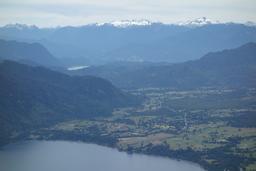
134	40
141	22
32	97
131	23
227	68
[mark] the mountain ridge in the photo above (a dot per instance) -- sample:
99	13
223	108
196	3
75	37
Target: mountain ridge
231	68
34	97
32	53
92	44
136	22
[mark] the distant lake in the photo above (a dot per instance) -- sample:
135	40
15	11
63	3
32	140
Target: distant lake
75	156
74	68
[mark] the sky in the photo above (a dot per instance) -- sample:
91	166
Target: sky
51	13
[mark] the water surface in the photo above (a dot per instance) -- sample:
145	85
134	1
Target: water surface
73	156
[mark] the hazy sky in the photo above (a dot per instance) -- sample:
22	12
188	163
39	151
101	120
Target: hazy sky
45	13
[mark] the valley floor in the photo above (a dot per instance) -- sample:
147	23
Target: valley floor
213	127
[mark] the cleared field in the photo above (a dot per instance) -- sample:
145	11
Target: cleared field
216	126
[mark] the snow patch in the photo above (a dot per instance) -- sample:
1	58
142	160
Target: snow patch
127	23
198	22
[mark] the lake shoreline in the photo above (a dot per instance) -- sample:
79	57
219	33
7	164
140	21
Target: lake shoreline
162	150
149	151
106	146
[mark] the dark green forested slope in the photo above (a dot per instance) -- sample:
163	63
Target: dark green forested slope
35	96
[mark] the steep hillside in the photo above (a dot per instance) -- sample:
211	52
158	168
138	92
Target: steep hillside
34	96
31	53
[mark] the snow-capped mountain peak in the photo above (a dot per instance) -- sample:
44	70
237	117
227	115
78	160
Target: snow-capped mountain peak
127	23
250	23
198	22
21	26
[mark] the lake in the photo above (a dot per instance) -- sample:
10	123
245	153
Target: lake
76	156
74	68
